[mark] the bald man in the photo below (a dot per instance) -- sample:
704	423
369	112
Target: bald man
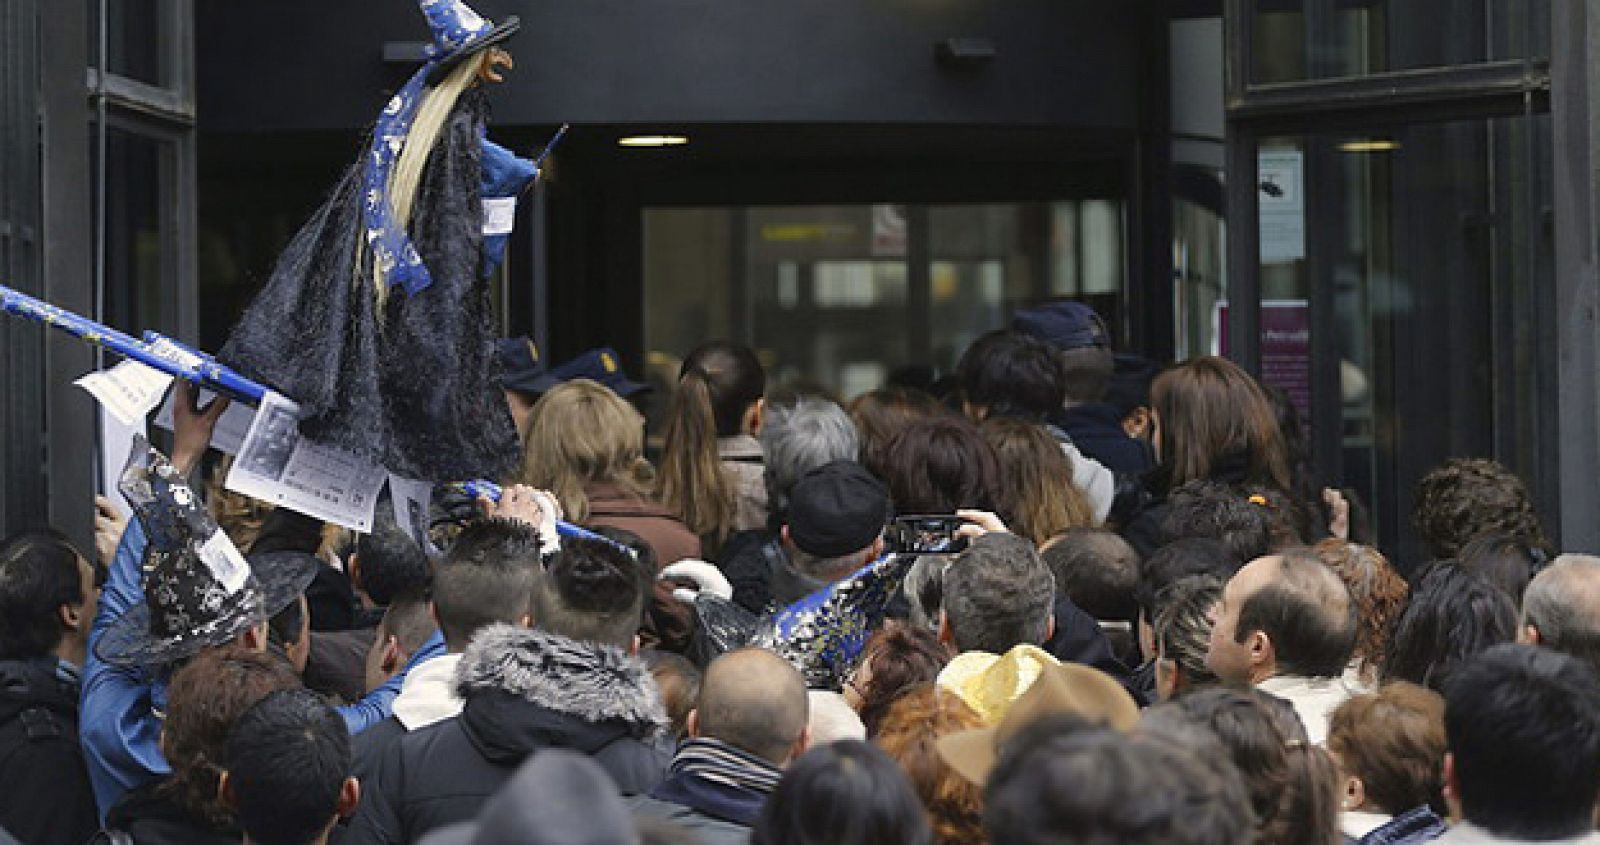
1286	624
1561	608
749	724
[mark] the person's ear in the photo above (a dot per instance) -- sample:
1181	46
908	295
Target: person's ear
801	745
1050	629
1355	793
1261	651
71	617
1529	635
691	723
755	416
433	613
783	534
946	636
225	793
392	659
255	637
526	621
349	798
352	568
877	549
634	645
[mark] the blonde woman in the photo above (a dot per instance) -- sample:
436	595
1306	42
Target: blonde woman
1040	501
585	444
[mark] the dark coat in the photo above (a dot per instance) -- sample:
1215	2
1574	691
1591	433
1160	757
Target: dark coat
1096	429
525	690
1078	639
148	816
46	797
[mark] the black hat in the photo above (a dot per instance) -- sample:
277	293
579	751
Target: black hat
198	590
836	509
536	807
520	367
1129	388
1063	324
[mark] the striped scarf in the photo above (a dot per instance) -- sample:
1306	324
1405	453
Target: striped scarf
721	763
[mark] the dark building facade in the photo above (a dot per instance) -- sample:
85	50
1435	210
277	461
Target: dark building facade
864	188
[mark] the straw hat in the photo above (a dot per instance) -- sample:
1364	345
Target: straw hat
990	683
1068	688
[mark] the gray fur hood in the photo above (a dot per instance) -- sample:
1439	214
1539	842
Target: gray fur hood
596	683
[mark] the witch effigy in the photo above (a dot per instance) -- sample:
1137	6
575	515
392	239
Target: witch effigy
376	319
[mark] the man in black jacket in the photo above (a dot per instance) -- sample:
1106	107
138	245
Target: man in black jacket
572	682
47	599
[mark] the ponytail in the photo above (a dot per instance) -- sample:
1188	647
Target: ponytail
690	481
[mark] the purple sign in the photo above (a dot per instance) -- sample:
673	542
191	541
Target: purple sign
1285	348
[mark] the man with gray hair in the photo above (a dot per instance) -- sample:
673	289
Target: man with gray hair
1561	608
797	437
997	594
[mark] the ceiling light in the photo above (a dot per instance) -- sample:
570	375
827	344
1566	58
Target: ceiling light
1372	146
652	141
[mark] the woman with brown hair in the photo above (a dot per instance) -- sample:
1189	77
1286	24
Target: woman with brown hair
940	465
711	462
585	444
896	658
1038	495
1211	422
908	734
1380	595
880	414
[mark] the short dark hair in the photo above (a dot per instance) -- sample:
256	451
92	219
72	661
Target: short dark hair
1453	616
1523	724
407	620
1508	562
1177	560
1308	614
287	759
593	592
38	574
843	793
1218	512
391	563
1466	497
487	577
1013	375
998	594
1097	569
1092	784
287	626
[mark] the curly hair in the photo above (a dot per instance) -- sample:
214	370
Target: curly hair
898	657
907	734
1466	497
1380	595
205	698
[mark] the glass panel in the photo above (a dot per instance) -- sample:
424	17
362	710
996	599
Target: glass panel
839	296
140	268
138	36
1426	249
1359	37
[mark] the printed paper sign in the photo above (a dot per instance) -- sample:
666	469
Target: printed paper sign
499	215
128	391
1280	192
275	464
411	500
229	434
223	559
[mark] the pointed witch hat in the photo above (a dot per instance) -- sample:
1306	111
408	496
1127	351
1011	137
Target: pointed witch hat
459	32
198	590
823	634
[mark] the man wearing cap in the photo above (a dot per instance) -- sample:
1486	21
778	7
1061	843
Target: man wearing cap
522	378
1084	348
835	526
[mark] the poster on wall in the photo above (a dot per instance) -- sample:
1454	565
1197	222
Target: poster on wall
1280	195
1285	347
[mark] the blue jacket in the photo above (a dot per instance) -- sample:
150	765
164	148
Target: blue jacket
118	722
1096	429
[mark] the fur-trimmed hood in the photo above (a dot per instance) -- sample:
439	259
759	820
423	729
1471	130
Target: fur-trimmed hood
594	683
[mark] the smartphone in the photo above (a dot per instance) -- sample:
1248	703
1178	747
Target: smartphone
926	534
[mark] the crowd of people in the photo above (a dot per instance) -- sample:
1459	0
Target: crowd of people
1061	595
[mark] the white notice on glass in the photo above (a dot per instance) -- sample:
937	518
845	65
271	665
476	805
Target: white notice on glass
128	391
499	215
277	465
1280	194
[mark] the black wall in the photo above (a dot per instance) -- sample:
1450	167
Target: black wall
316	64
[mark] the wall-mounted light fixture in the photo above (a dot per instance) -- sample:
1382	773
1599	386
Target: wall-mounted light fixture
1369	146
